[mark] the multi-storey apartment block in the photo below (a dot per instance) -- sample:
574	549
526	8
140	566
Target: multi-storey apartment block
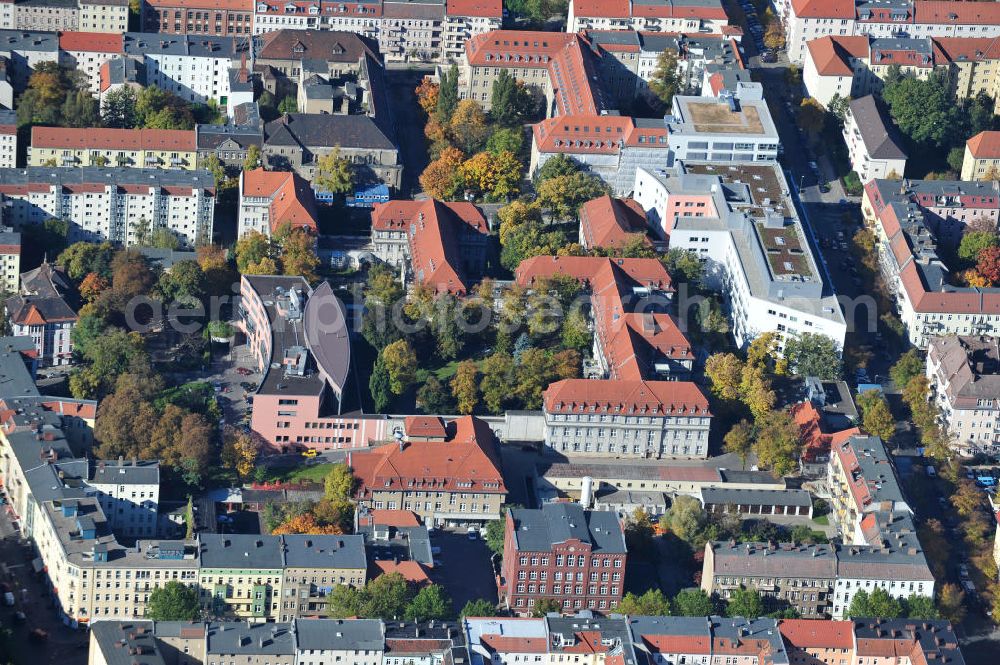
270	200
982	157
725	128
858	65
276	577
451	476
741	220
230	18
113	204
648	15
910	219
65	15
10	260
862	482
40	312
806	20
8	138
873	145
129	493
564	552
964	374
130	148
441	245
432	30
88	51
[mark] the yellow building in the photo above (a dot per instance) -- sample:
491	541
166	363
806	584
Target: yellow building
982	157
132	148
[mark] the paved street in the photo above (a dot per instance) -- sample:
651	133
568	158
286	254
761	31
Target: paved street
64	645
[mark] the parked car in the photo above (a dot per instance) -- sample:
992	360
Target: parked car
8	599
310	453
769	56
473	533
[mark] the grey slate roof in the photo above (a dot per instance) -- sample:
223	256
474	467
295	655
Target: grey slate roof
320	130
21	40
127	642
123	70
58	176
7	118
538	530
147	44
126	473
339	635
782	497
210	137
261	639
240	551
302	551
880	139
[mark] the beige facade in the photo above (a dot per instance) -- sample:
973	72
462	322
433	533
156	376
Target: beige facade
443	505
304	591
108	16
103	16
142	158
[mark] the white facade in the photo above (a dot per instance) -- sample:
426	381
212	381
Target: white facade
735	264
859	152
129	494
710	22
53	341
8	148
845	588
754	140
112	204
633	436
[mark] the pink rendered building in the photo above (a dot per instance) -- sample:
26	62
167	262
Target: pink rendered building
300	341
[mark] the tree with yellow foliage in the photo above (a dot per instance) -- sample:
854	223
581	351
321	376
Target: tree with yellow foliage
465	386
305	524
495	175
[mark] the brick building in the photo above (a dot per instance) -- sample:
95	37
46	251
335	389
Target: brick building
562	552
219	18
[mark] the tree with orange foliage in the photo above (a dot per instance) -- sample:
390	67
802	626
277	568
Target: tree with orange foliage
427	95
441	178
974	279
305	524
92	286
988	265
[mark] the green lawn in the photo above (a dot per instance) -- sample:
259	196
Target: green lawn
822	519
442	373
314	473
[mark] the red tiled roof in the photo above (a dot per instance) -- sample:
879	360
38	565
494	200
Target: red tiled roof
628	397
985	145
601	8
487	8
809	633
411	570
686	644
98	42
231	5
508	644
395	518
965	49
954	13
469	456
292	199
669	10
610	222
823	8
432	228
85	410
113	139
424	427
831	55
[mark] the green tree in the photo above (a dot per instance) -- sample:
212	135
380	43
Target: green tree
81	110
875	415
666	79
173	601
506	139
479	607
684	266
909	365
951	603
685	518
745	603
345	601
495	534
651	603
693	603
554	167
510	102
813	354
184	281
878	603
379	385
447	95
339	483
119	109
288	105
254	159
401	364
739	440
334	173
920	607
82	258
497	382
252	248
545	606
778	443
386	596
189	519
435	397
924	110
431	602
974	242
268	106
564	195
811	117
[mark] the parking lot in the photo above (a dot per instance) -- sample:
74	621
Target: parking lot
464	568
